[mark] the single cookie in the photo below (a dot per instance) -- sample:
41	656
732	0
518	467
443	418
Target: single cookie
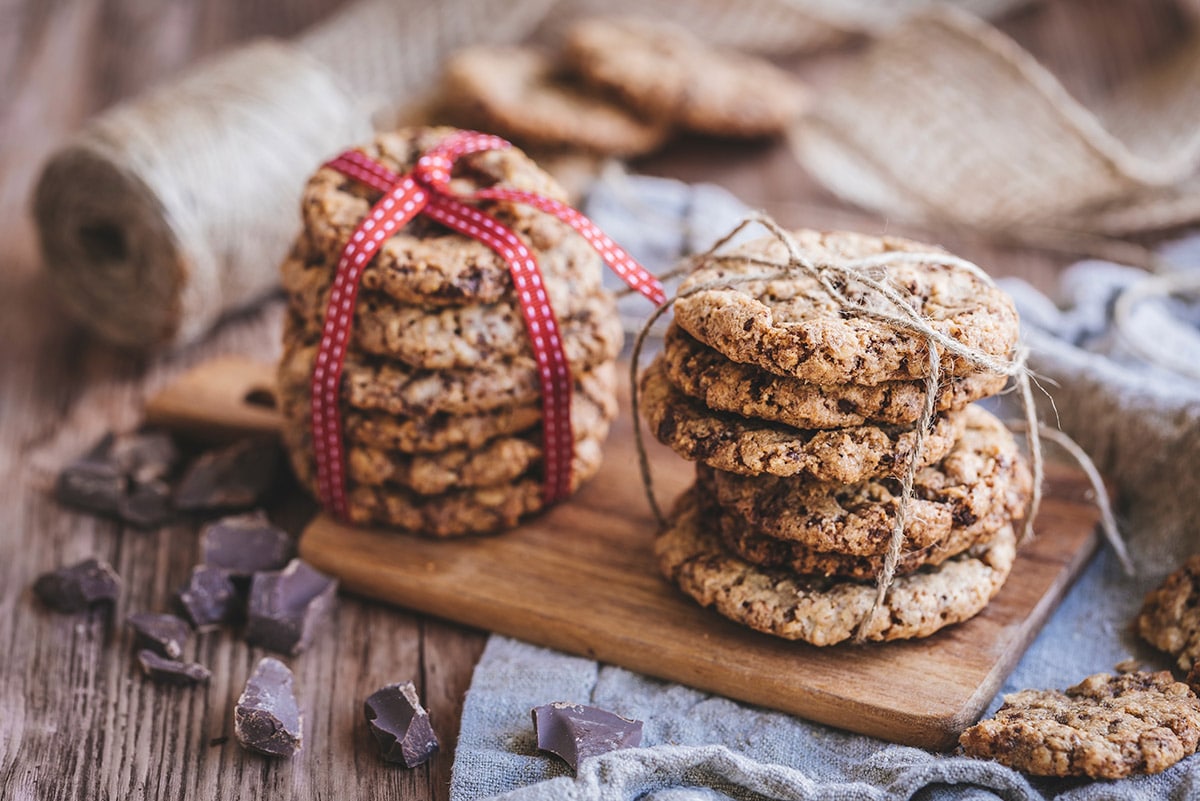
456	336
427	264
982	484
751	447
826	611
592	401
1170	616
500	461
372	382
751	391
470	511
520	93
791	326
1105	727
665	72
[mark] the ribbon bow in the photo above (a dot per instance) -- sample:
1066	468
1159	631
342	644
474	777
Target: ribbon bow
426	190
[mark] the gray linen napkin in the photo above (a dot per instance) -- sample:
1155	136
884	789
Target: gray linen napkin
705	747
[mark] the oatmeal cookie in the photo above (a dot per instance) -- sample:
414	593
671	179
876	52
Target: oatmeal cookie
792	327
980	485
751	391
1170	616
665	72
522	94
1105	727
751	447
826	611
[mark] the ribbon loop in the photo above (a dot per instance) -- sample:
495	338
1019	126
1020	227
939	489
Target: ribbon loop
427	191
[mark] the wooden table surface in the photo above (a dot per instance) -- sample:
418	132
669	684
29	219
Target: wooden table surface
76	719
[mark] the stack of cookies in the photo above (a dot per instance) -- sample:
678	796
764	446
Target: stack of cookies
440	395
801	417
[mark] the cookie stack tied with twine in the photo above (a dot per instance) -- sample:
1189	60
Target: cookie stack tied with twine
846	485
444	332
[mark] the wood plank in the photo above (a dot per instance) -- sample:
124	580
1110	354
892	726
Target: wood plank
582	579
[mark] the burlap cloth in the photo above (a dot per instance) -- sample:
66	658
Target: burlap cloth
1141	421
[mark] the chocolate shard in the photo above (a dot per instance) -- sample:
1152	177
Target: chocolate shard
145	456
163	634
171	671
210	598
243	545
236	477
147	504
94	482
575	732
400	725
267	718
79	586
287	606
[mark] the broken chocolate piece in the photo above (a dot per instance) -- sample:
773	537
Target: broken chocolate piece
163	634
171	671
145	456
78	587
146	504
243	545
575	732
209	598
267	718
236	477
94	482
400	725
287	606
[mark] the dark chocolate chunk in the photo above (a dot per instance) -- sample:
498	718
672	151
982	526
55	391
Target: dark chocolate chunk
94	482
171	671
147	504
145	456
400	725
163	634
245	544
235	477
267	718
209	598
287	606
82	585
575	732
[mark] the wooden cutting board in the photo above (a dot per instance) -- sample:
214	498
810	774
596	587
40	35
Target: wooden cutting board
582	579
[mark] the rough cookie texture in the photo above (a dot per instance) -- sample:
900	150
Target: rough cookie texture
981	485
455	336
826	611
1105	727
1170	616
468	511
426	264
520	93
751	391
375	383
665	72
791	326
751	447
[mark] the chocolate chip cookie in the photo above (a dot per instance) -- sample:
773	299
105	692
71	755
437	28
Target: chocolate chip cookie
1170	616
666	73
824	611
752	447
980	485
1105	727
520	93
792	326
748	390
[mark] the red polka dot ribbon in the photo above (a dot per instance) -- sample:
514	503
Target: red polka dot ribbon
427	191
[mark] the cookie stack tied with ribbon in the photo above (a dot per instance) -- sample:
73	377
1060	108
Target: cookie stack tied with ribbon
827	437
449	350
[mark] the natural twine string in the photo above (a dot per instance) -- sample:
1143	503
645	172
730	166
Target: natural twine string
895	313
